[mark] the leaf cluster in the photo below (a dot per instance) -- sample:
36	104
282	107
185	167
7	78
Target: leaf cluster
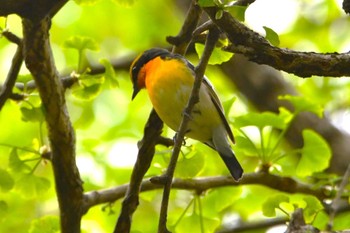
108	125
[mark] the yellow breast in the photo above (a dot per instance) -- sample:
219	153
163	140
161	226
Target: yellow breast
169	84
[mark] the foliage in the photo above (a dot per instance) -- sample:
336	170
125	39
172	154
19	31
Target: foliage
108	125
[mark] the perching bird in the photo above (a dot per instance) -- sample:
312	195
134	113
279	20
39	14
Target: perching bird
168	79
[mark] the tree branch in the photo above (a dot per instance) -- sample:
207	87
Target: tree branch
212	38
261	85
17	60
244	2
297	223
67	82
39	60
12	37
152	132
200	185
12	7
346	6
337	200
34	10
254	225
257	49
182	40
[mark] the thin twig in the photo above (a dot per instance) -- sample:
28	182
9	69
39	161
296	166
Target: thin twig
250	226
337	200
182	40
203	27
243	2
194	98
17	60
12	37
67	82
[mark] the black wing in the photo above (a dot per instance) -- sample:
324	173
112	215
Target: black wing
214	97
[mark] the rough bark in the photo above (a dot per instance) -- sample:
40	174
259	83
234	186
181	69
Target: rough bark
39	60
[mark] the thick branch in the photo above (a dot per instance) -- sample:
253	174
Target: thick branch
257	49
39	60
34	10
152	132
12	7
200	185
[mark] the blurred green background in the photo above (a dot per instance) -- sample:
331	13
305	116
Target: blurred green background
108	125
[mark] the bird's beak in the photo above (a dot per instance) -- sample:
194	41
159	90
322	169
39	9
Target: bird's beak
136	90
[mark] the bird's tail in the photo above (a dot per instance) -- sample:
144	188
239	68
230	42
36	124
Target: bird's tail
222	146
232	164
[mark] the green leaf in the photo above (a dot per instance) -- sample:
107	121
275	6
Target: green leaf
88	92
271	36
2	23
301	103
206	3
32	114
30	185
90	87
16	164
125	2
47	224
80	43
87	117
285	114
273	202
213	201
3	209
246	146
342	222
238	12
190	165
219	14
109	74
227	105
313	207
89	144
315	155
24	78
217	57
321	220
6	181
86	2
261	120
191	223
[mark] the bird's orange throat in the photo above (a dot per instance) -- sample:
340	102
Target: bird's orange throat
146	70
141	78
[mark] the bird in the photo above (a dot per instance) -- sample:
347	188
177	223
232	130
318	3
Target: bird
168	79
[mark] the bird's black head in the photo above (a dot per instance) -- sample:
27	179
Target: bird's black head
139	62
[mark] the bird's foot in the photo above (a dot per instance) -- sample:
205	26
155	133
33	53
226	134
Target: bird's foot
183	141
